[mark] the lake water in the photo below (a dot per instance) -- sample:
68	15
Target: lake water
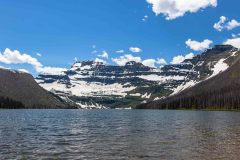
119	134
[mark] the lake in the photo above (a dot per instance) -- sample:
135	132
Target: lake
119	134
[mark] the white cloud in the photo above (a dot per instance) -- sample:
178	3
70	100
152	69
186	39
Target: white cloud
145	18
94	46
153	62
100	60
122	60
189	56
75	59
39	54
172	9
103	55
51	70
198	46
23	70
120	51
161	61
179	59
232	24
222	24
234	42
149	62
135	49
15	57
219	25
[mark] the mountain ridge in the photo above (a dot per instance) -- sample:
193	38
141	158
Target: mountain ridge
220	92
92	84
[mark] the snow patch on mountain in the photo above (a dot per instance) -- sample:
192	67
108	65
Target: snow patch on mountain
83	88
146	95
155	77
136	94
183	86
91	106
220	66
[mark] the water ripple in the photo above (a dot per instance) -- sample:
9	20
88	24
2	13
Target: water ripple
111	134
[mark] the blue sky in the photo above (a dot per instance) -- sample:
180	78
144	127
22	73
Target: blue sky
61	30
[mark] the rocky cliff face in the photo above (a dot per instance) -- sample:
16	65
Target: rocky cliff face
95	85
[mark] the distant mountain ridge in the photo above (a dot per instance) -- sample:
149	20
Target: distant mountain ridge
95	85
20	90
221	92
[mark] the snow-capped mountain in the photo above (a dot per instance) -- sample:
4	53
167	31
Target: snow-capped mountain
95	85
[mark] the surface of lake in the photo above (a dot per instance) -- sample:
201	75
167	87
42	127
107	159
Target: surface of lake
119	134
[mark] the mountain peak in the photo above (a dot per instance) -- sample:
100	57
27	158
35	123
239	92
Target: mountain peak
91	63
134	63
220	49
224	47
86	64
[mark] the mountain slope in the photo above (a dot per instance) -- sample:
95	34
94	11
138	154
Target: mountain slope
20	90
93	84
219	92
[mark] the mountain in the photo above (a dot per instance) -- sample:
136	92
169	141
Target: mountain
220	92
20	90
95	85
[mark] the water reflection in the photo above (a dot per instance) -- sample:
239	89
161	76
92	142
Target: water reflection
111	134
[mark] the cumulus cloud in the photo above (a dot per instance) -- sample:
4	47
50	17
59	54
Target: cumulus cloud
222	24
122	60
135	49
15	57
149	62
198	46
51	70
232	24
234	42
104	54
120	51
172	9
100	60
161	61
219	25
180	58
189	56
152	62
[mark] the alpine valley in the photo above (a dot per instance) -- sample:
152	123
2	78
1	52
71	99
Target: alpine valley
92	84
